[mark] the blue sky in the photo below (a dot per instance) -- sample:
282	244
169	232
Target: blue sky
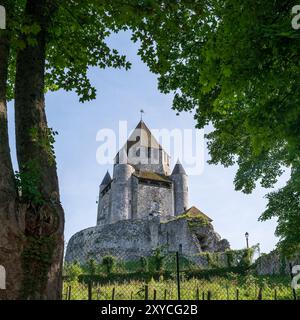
120	96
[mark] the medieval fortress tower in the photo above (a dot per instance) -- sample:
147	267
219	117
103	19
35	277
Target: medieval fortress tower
142	184
143	206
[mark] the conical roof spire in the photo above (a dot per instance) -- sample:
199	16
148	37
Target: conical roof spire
178	169
106	180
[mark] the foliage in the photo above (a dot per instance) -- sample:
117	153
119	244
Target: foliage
28	183
45	139
36	259
158	259
144	264
238	69
90	267
194	220
221	288
77	37
108	262
72	271
230	258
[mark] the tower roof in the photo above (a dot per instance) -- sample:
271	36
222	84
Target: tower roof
178	169
141	137
106	180
194	211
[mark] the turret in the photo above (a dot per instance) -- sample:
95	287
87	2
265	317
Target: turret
121	191
103	203
180	182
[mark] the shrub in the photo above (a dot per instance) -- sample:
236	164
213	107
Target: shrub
108	263
144	264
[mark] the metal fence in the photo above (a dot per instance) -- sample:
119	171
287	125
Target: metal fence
174	279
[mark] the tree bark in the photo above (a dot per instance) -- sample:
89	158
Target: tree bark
11	218
44	217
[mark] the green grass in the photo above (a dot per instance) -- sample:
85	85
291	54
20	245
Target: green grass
220	288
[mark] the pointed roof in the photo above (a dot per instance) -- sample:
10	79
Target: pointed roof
106	180
194	211
141	137
178	169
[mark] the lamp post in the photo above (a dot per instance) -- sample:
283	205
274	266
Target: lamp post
247	239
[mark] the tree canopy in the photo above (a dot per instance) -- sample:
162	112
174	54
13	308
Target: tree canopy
50	45
237	67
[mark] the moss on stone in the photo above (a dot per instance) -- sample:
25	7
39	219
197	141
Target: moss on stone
194	221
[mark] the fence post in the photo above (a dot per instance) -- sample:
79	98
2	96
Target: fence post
178	275
90	297
275	295
259	297
113	293
154	294
69	293
203	295
237	294
146	292
197	294
292	276
165	294
208	295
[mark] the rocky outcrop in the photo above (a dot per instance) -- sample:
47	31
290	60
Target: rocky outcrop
132	239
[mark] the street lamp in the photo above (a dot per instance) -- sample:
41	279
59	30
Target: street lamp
247	239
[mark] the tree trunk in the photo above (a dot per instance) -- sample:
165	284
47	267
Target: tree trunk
11	218
44	218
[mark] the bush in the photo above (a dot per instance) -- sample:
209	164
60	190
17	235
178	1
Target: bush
144	264
108	263
158	259
72	271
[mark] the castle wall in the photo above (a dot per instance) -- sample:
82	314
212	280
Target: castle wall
151	198
130	240
149	159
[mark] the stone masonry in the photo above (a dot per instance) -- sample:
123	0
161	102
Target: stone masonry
144	206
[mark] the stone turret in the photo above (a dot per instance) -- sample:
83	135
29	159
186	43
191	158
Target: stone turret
103	202
121	206
180	181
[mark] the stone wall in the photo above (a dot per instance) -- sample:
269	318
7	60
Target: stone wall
152	198
274	263
132	239
104	209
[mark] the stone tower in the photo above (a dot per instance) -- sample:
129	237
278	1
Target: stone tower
104	199
180	181
142	185
121	193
